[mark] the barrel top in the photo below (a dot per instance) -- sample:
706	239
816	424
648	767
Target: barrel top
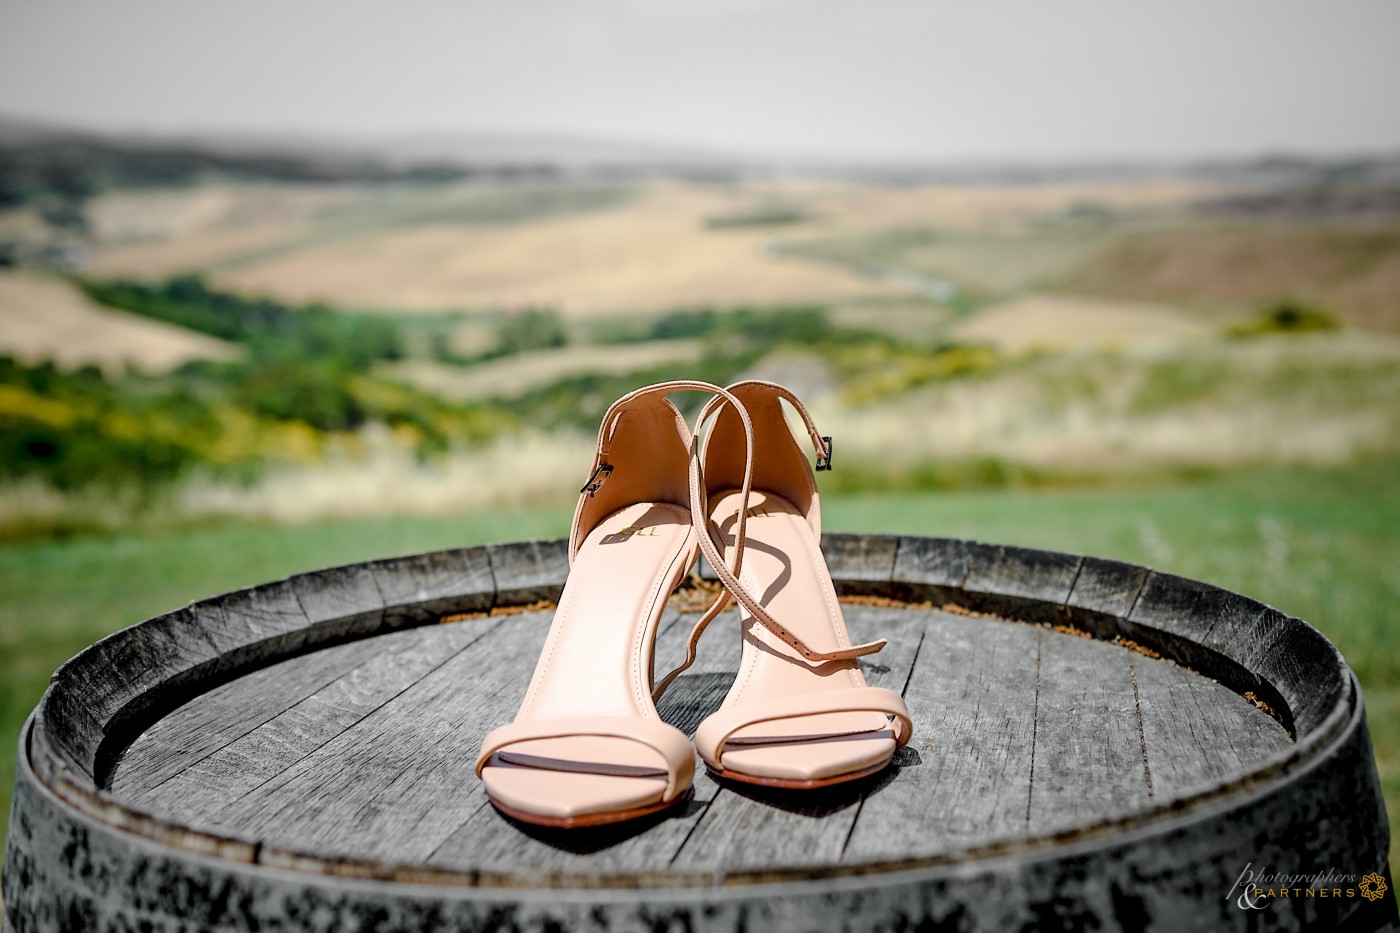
329	722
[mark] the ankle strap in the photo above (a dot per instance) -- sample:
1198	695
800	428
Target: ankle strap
728	573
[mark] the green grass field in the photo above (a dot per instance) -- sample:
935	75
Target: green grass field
1320	544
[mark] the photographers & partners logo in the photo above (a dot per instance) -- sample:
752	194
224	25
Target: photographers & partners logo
1256	889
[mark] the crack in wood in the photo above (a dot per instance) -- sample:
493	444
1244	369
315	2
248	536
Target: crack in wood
1142	735
1035	727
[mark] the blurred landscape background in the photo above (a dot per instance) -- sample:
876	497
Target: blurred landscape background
249	329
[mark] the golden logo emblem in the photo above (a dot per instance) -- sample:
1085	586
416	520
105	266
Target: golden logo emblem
1373	887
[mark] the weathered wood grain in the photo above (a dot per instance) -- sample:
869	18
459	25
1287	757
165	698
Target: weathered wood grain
256	615
211	789
1107	586
1302	667
929	568
1020	582
422	588
1189	610
856	561
977	688
1225	635
965	779
347	597
1198	733
227	712
1087	762
528	571
65	869
366	755
123	672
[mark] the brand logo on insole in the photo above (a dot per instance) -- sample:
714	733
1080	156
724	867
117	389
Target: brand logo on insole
630	532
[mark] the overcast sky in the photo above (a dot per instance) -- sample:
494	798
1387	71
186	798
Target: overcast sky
897	79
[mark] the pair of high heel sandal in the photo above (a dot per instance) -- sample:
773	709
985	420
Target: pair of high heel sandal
587	746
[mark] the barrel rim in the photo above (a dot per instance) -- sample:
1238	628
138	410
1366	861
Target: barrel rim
412	881
1006	582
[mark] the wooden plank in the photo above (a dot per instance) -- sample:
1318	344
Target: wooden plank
219	637
1198	733
747	827
1250	647
1018	571
1189	610
1193	609
394	782
121	675
1107	586
395	591
1020	583
222	715
261	614
1297	668
1088	762
856	561
528	571
965	778
347	596
931	562
421	588
964	781
1307	670
221	788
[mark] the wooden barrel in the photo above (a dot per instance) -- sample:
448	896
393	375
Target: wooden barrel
1099	746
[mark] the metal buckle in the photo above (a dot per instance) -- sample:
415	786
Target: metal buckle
594	483
824	463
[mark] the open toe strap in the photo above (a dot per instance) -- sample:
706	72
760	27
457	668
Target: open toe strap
665	740
716	730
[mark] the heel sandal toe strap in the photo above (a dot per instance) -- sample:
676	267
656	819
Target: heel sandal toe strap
715	731
667	741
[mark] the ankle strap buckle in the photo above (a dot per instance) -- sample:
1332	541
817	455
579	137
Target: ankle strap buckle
603	470
824	463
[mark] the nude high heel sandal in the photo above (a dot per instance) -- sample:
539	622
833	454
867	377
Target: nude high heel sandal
799	714
587	746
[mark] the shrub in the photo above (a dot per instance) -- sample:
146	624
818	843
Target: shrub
271	329
531	329
315	392
1287	317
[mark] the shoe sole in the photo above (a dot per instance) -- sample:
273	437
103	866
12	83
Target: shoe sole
796	783
585	820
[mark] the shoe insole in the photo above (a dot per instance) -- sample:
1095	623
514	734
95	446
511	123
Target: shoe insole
783	567
596	661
